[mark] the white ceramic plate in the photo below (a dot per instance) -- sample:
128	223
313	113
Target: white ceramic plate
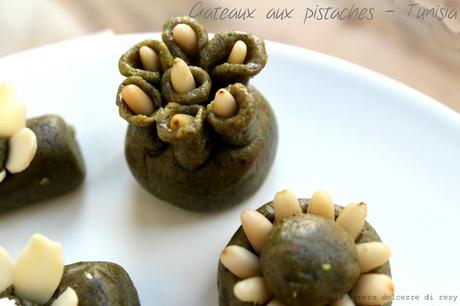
357	134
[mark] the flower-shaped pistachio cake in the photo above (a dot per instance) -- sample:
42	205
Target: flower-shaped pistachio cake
300	252
199	136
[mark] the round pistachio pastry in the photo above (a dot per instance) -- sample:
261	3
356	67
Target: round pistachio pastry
39	277
39	158
199	135
305	252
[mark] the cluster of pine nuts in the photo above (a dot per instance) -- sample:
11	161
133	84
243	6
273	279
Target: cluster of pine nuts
245	265
182	79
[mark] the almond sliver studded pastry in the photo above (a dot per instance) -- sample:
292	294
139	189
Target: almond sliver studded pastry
39	277
305	252
39	158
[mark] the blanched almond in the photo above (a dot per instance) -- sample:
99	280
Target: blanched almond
38	270
238	53
373	289
67	298
12	111
352	218
321	204
7	93
22	149
149	58
181	77
241	262
286	205
256	227
372	255
186	38
6	270
253	290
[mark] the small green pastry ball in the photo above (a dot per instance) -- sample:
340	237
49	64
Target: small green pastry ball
308	260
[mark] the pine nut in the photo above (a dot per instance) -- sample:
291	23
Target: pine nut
137	100
179	120
149	58
67	298
240	262
256	227
372	255
275	303
2	175
253	290
286	204
181	77
352	218
38	270
225	104
12	112
23	146
186	38
238	53
344	301
321	204
6	270
373	289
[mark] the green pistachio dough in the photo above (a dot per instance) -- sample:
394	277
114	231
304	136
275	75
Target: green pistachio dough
126	113
238	130
212	162
57	167
199	95
130	62
215	54
226	280
174	48
308	260
229	175
109	285
191	143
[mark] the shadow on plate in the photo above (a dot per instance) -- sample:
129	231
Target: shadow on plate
150	211
67	206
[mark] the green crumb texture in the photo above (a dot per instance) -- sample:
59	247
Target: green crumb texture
96	284
56	169
130	62
214	162
226	280
99	284
292	261
174	48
